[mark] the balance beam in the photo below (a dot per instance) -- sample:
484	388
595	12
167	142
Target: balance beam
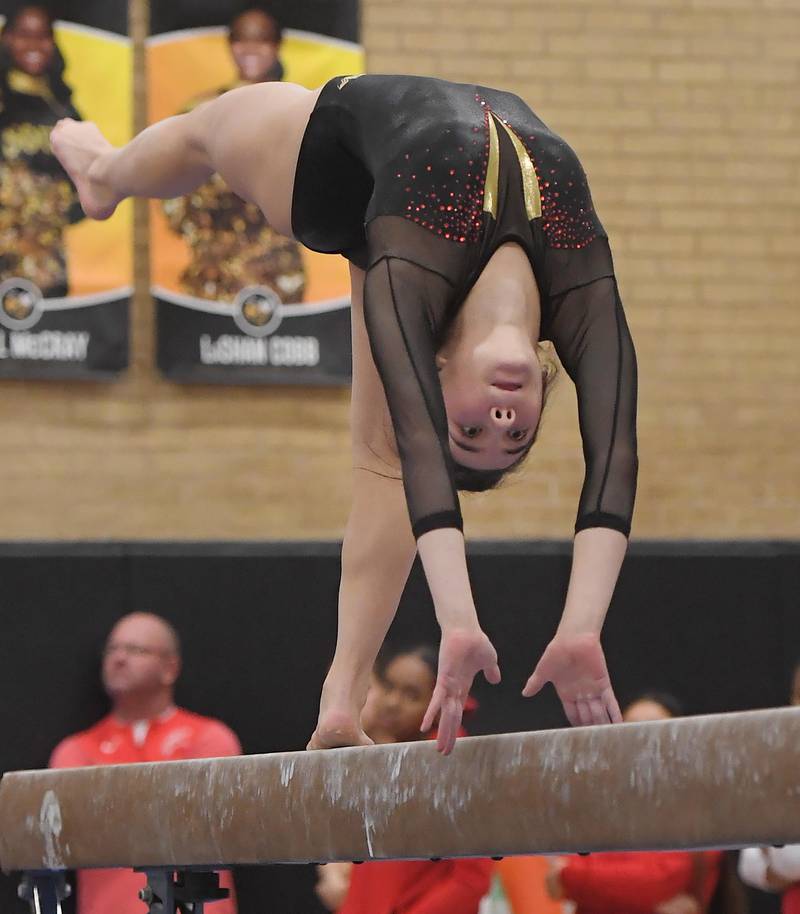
718	781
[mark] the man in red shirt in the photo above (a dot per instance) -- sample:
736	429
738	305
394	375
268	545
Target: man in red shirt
141	663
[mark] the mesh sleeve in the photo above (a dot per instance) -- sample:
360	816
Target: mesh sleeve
400	299
591	337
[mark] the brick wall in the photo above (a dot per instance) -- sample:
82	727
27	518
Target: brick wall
685	114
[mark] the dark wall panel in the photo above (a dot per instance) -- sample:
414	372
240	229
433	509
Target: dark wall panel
259	634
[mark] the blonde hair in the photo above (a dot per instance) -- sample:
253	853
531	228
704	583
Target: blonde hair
549	362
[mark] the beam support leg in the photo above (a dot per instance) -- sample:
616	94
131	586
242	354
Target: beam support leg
180	891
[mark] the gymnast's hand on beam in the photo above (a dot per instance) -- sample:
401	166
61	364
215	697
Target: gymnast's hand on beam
576	666
462	654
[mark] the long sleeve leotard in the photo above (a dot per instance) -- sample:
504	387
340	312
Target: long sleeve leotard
419	181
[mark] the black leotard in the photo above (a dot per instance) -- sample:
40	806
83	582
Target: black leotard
419	181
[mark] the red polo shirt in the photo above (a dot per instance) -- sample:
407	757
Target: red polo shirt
790	900
177	734
635	883
417	887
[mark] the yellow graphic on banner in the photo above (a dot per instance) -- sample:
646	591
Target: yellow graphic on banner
99	72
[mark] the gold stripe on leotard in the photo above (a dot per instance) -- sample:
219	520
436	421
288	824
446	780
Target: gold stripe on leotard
530	181
492	172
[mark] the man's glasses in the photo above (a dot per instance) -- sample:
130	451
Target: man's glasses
132	650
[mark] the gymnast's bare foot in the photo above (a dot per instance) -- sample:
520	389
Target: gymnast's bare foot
79	146
337	729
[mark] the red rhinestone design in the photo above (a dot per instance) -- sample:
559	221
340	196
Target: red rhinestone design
445	195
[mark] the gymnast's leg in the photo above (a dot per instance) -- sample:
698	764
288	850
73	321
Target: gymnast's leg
251	136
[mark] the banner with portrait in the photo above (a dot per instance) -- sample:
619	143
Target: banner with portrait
65	280
236	302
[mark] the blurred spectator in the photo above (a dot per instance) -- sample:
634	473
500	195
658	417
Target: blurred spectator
255	38
794	700
37	199
662	882
395	707
652	706
776	869
231	244
141	663
372	708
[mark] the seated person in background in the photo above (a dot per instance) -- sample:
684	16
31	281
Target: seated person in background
776	869
399	695
652	882
141	663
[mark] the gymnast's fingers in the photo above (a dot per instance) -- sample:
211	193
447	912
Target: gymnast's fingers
571	710
597	710
449	722
535	684
612	706
584	714
434	707
492	673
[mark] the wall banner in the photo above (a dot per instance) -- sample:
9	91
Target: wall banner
236	302
65	280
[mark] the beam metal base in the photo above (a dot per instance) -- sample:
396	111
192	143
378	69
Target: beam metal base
44	891
181	892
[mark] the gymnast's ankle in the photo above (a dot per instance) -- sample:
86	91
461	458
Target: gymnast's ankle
336	729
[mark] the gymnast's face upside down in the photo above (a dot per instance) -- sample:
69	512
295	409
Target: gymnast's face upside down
492	379
493	396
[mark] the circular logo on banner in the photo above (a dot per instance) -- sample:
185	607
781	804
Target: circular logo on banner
257	311
20	304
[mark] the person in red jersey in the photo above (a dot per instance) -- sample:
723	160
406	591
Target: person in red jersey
141	663
649	882
394	711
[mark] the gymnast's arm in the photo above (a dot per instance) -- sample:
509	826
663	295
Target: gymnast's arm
378	483
399	298
595	346
594	343
587	325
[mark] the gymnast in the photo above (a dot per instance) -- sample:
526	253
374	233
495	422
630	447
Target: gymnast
471	236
